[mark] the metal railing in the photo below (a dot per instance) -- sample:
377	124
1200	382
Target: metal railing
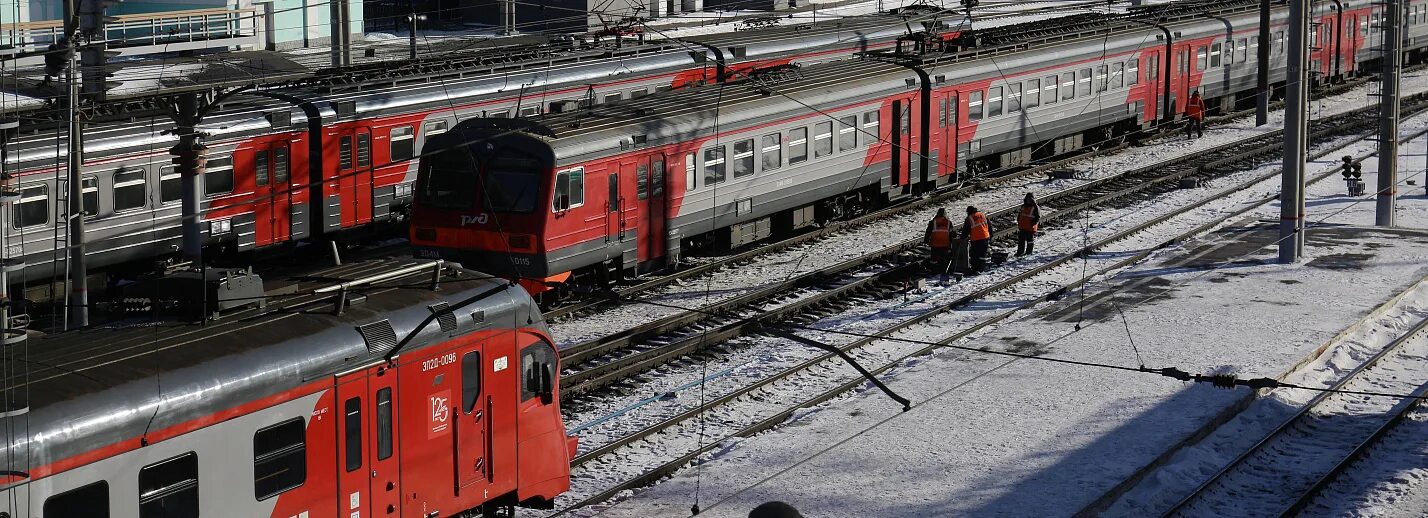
216	27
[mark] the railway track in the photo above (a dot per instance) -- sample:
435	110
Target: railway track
1286	470
819	375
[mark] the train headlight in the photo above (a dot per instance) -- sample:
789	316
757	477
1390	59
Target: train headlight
403	190
221	226
519	241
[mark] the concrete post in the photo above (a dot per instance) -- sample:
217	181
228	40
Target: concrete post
1291	198
1388	113
1261	110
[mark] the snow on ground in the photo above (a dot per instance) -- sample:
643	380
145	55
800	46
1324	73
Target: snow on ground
1034	438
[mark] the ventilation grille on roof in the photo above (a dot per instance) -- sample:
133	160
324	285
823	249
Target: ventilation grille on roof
444	317
379	336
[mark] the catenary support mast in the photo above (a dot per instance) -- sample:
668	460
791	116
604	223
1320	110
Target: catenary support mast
1291	198
1388	113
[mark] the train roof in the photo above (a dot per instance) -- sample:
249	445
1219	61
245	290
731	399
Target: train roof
109	384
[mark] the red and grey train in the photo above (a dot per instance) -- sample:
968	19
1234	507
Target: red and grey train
626	187
291	163
304	409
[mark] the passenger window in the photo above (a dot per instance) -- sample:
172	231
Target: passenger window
279	458
1201	58
364	150
1244	50
1118	75
352	436
402	144
942	113
639	93
609	98
689	172
33	207
260	167
657	177
1153	71
642	181
344	153
89	501
1013	97
1051	84
772	152
470	381
613	199
1133	72
822	139
1068	85
797	145
1229	52
743	158
974	106
433	128
994	101
1279	42
89	195
1215	55
569	189
848	133
219	176
170	185
384	424
169	488
713	165
1103	78
129	191
537	370
280	164
1083	82
870	125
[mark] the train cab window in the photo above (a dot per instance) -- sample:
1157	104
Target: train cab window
569	189
280	164
170	185
402	143
218	177
1102	78
364	150
1050	89
34	206
352	433
89	195
344	153
470	381
1202	56
1118	75
279	458
1133	72
974	106
433	128
847	133
797	145
822	139
657	177
743	158
384	423
771	152
260	167
169	488
1013	98
445	180
1215	55
537	369
870	125
129	192
1033	94
713	165
1068	86
510	183
1083	82
642	182
994	101
90	501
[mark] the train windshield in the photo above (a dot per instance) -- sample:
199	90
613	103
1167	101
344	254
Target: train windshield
512	183
448	180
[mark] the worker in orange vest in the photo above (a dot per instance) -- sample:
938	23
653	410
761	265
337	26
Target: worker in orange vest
1195	111
979	232
1027	219
939	238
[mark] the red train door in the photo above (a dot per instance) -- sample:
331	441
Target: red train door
353	481
270	193
382	443
469	450
652	195
950	155
635	172
354	176
612	211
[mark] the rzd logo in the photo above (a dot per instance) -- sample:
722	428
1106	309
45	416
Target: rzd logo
440	413
479	219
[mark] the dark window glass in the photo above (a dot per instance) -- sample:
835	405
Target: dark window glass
402	143
613	194
657	178
1118	75
511	184
91	501
352	437
260	167
33	207
169	489
279	458
642	181
129	189
470	381
447	180
797	145
1083	82
569	189
384	424
280	164
743	158
218	179
713	165
364	150
344	153
170	185
89	195
537	364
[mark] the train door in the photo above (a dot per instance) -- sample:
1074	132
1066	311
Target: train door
652	212
354	176
382	443
634	172
353	482
951	156
613	224
272	207
470	425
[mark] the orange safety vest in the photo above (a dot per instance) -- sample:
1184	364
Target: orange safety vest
979	228
1195	108
1023	219
941	235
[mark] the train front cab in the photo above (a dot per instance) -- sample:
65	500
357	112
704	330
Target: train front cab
480	199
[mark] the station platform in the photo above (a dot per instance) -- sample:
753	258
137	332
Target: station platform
998	436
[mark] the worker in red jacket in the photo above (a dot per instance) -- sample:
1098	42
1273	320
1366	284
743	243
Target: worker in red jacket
979	234
1195	112
1027	219
939	238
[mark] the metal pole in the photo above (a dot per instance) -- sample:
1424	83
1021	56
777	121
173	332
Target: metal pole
190	161
1291	198
341	55
74	211
411	30
1261	110
1388	113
